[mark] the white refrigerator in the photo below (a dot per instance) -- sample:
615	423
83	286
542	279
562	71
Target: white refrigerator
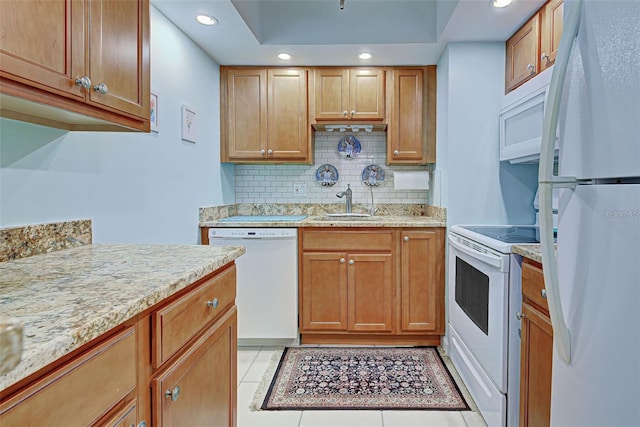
593	281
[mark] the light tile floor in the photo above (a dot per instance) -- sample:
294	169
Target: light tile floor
252	363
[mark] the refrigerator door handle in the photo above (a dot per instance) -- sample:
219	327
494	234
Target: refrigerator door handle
547	181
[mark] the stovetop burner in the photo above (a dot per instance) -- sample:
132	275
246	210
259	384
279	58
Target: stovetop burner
508	233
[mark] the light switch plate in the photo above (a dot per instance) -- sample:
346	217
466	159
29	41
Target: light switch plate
299	189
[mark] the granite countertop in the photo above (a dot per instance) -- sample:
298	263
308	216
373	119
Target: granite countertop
528	251
67	298
324	221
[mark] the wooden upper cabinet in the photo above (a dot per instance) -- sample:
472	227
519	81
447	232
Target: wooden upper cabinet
533	48
264	115
349	94
44	60
411	100
522	54
118	56
551	26
85	57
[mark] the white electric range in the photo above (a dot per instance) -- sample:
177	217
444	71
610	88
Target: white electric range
484	296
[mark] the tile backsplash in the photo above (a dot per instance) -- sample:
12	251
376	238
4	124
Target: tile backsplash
275	183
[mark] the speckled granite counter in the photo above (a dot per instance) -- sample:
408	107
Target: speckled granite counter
528	251
69	297
323	221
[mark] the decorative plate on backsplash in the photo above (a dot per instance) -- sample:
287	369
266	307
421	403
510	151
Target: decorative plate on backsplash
349	147
327	175
373	175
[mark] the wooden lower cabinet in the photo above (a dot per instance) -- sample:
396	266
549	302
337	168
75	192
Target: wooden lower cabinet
199	388
536	350
172	365
364	286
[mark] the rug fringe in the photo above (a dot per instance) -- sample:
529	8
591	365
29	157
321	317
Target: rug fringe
267	377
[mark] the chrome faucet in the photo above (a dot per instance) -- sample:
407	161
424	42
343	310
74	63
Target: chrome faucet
348	193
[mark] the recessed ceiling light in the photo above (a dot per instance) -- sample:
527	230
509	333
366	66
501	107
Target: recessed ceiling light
284	56
364	55
500	3
206	20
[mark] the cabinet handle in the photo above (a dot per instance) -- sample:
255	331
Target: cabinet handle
342	260
173	394
519	315
351	262
406	238
396	152
101	88
543	293
269	152
544	57
344	113
84	82
213	303
531	67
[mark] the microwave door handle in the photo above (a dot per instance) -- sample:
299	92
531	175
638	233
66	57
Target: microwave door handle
490	259
547	181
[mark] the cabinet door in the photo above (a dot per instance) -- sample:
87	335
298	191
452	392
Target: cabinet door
522	60
246	110
331	88
42	44
199	388
288	129
323	293
551	31
126	417
536	355
405	141
422	257
366	94
119	55
370	293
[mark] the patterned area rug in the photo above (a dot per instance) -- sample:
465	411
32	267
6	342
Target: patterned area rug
378	378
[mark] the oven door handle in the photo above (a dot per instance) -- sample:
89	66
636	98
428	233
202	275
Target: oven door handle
486	257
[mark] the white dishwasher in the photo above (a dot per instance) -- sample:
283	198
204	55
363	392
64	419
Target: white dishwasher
267	283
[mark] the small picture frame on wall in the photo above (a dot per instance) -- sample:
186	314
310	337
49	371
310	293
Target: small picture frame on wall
153	113
188	124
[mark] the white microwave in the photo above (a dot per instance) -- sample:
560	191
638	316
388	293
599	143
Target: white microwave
521	120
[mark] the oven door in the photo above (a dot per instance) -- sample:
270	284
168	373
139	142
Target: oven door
478	304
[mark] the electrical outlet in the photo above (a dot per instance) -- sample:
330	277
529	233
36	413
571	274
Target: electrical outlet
299	189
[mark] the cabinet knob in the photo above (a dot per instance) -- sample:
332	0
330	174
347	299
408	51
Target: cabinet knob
269	152
396	152
351	262
213	303
262	152
406	238
344	113
342	260
172	394
84	82
101	88
544	57
519	315
142	424
543	293
353	113
531	67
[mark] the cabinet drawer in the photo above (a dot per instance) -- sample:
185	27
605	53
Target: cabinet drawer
81	392
533	285
178	322
348	240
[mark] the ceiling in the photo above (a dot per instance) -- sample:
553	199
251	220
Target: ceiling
318	32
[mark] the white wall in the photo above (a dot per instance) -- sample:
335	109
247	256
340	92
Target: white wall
475	186
136	187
